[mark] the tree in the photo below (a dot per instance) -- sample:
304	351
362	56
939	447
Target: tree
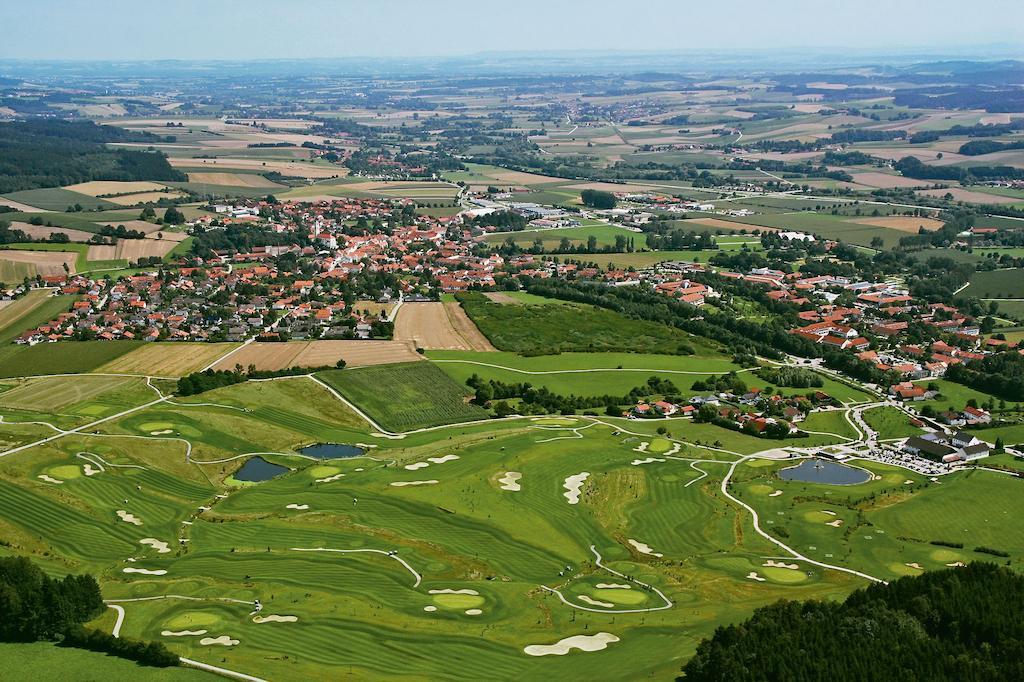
172	216
597	199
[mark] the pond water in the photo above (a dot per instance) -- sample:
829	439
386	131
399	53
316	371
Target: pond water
257	469
824	471
331	451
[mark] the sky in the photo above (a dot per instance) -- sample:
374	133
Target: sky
292	29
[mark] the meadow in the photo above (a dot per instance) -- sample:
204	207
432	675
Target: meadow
996	284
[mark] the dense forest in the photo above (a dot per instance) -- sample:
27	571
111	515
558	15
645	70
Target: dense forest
53	153
955	624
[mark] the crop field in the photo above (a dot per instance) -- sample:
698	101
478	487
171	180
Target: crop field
105	187
236	179
438	326
30	311
57	199
996	284
131	249
406	396
273	356
58	358
53	394
43	263
166	359
604	233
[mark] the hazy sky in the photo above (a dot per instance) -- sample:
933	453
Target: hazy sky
251	29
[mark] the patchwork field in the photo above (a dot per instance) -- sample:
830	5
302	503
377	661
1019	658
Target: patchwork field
31	310
273	356
237	179
438	326
166	359
36	262
132	249
104	187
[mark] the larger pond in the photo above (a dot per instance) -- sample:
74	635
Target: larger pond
257	469
824	471
331	451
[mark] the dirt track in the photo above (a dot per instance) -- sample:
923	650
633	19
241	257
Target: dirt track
439	326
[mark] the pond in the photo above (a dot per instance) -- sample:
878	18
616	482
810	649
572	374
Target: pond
331	451
257	469
824	471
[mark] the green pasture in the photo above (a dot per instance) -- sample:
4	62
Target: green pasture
57	199
890	423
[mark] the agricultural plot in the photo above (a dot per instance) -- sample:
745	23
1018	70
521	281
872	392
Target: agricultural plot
29	311
104	187
167	359
232	179
438	326
60	358
406	396
996	284
604	233
57	199
273	356
44	263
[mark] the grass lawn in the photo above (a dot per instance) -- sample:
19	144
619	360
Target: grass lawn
951	396
60	358
604	233
890	423
405	396
43	660
996	284
57	199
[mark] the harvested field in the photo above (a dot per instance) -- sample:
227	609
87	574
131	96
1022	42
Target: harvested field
439	326
503	298
144	198
45	262
289	168
44	232
902	223
100	187
232	179
138	225
54	393
132	249
885	181
167	359
18	206
272	356
729	225
969	196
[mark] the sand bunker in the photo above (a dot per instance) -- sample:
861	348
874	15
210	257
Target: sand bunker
915	565
161	433
417	465
473	612
646	460
49	479
572	486
510	481
129	518
160	546
908	481
430	609
613	586
754	576
89	470
330	479
835	524
472	593
826	511
676	447
183	633
300	507
144	571
431	460
779	564
957	564
775	494
642	447
597	642
594	602
275	619
644	548
223	640
402	484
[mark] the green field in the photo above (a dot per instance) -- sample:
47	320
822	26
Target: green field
890	423
546	329
996	284
604	233
57	358
405	396
58	199
35	308
44	660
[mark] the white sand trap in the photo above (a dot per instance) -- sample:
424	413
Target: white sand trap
614	586
754	576
161	433
908	481
675	448
183	633
160	546
144	571
442	459
50	479
594	602
223	640
646	460
510	481
430	609
642	447
472	593
331	479
402	484
300	507
643	548
89	470
779	564
597	642
129	518
572	486
915	565
275	619
835	524
775	494
957	564
416	465
473	612
826	511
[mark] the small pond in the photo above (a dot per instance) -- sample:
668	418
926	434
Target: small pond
824	471
257	469
331	451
